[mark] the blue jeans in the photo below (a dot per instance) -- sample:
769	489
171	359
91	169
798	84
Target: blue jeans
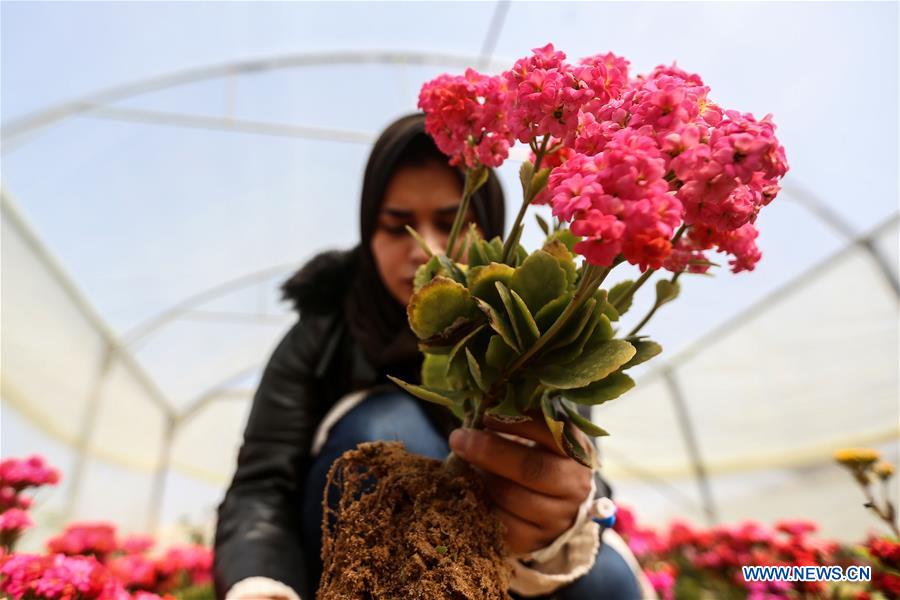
397	416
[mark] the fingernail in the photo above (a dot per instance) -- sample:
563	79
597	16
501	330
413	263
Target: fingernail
460	441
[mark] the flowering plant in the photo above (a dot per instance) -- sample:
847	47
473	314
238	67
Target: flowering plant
88	561
646	170
684	561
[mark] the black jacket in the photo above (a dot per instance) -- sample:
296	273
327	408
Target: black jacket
316	364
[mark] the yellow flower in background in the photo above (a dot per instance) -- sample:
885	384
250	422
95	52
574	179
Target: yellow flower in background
857	458
884	470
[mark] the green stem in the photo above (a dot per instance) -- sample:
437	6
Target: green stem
653	310
882	513
634	287
461	212
511	240
646	275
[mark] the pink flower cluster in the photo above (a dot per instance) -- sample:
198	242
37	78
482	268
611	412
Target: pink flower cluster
618	202
633	159
86	561
17	475
57	578
467	117
97	539
707	562
717	168
14	520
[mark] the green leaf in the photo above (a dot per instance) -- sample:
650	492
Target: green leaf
443	341
558	250
507	411
482	279
452	269
462	342
575	326
542	224
551	311
645	350
499	324
539	181
594	364
498	354
440	549
666	291
434	371
603	331
525	328
617	292
610	387
583	424
448	398
528	392
555	424
478	254
494	249
419	240
526	173
437	305
426	272
573	448
475	370
569	352
539	280
566	237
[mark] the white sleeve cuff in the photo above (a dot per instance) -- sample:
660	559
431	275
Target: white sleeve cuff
260	587
569	557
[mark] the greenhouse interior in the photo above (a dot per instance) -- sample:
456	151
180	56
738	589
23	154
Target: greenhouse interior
166	166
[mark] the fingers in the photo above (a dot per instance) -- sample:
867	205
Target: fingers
536	429
534	468
549	513
521	535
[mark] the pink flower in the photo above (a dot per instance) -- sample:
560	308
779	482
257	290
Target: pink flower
618	201
547	96
18	572
741	244
137	544
467	117
796	528
30	472
135	571
58	577
14	520
663	581
98	539
687	256
744	146
605	74
195	561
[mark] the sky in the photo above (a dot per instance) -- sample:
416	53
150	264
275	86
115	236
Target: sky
142	216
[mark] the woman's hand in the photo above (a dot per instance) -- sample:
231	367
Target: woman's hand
536	490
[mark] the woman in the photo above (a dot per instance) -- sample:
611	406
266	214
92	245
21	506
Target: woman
325	390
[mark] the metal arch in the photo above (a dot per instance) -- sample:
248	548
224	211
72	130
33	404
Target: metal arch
148	326
116	348
493	33
214	392
42	118
835	221
757	308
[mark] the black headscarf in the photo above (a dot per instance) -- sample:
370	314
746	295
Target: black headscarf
377	321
